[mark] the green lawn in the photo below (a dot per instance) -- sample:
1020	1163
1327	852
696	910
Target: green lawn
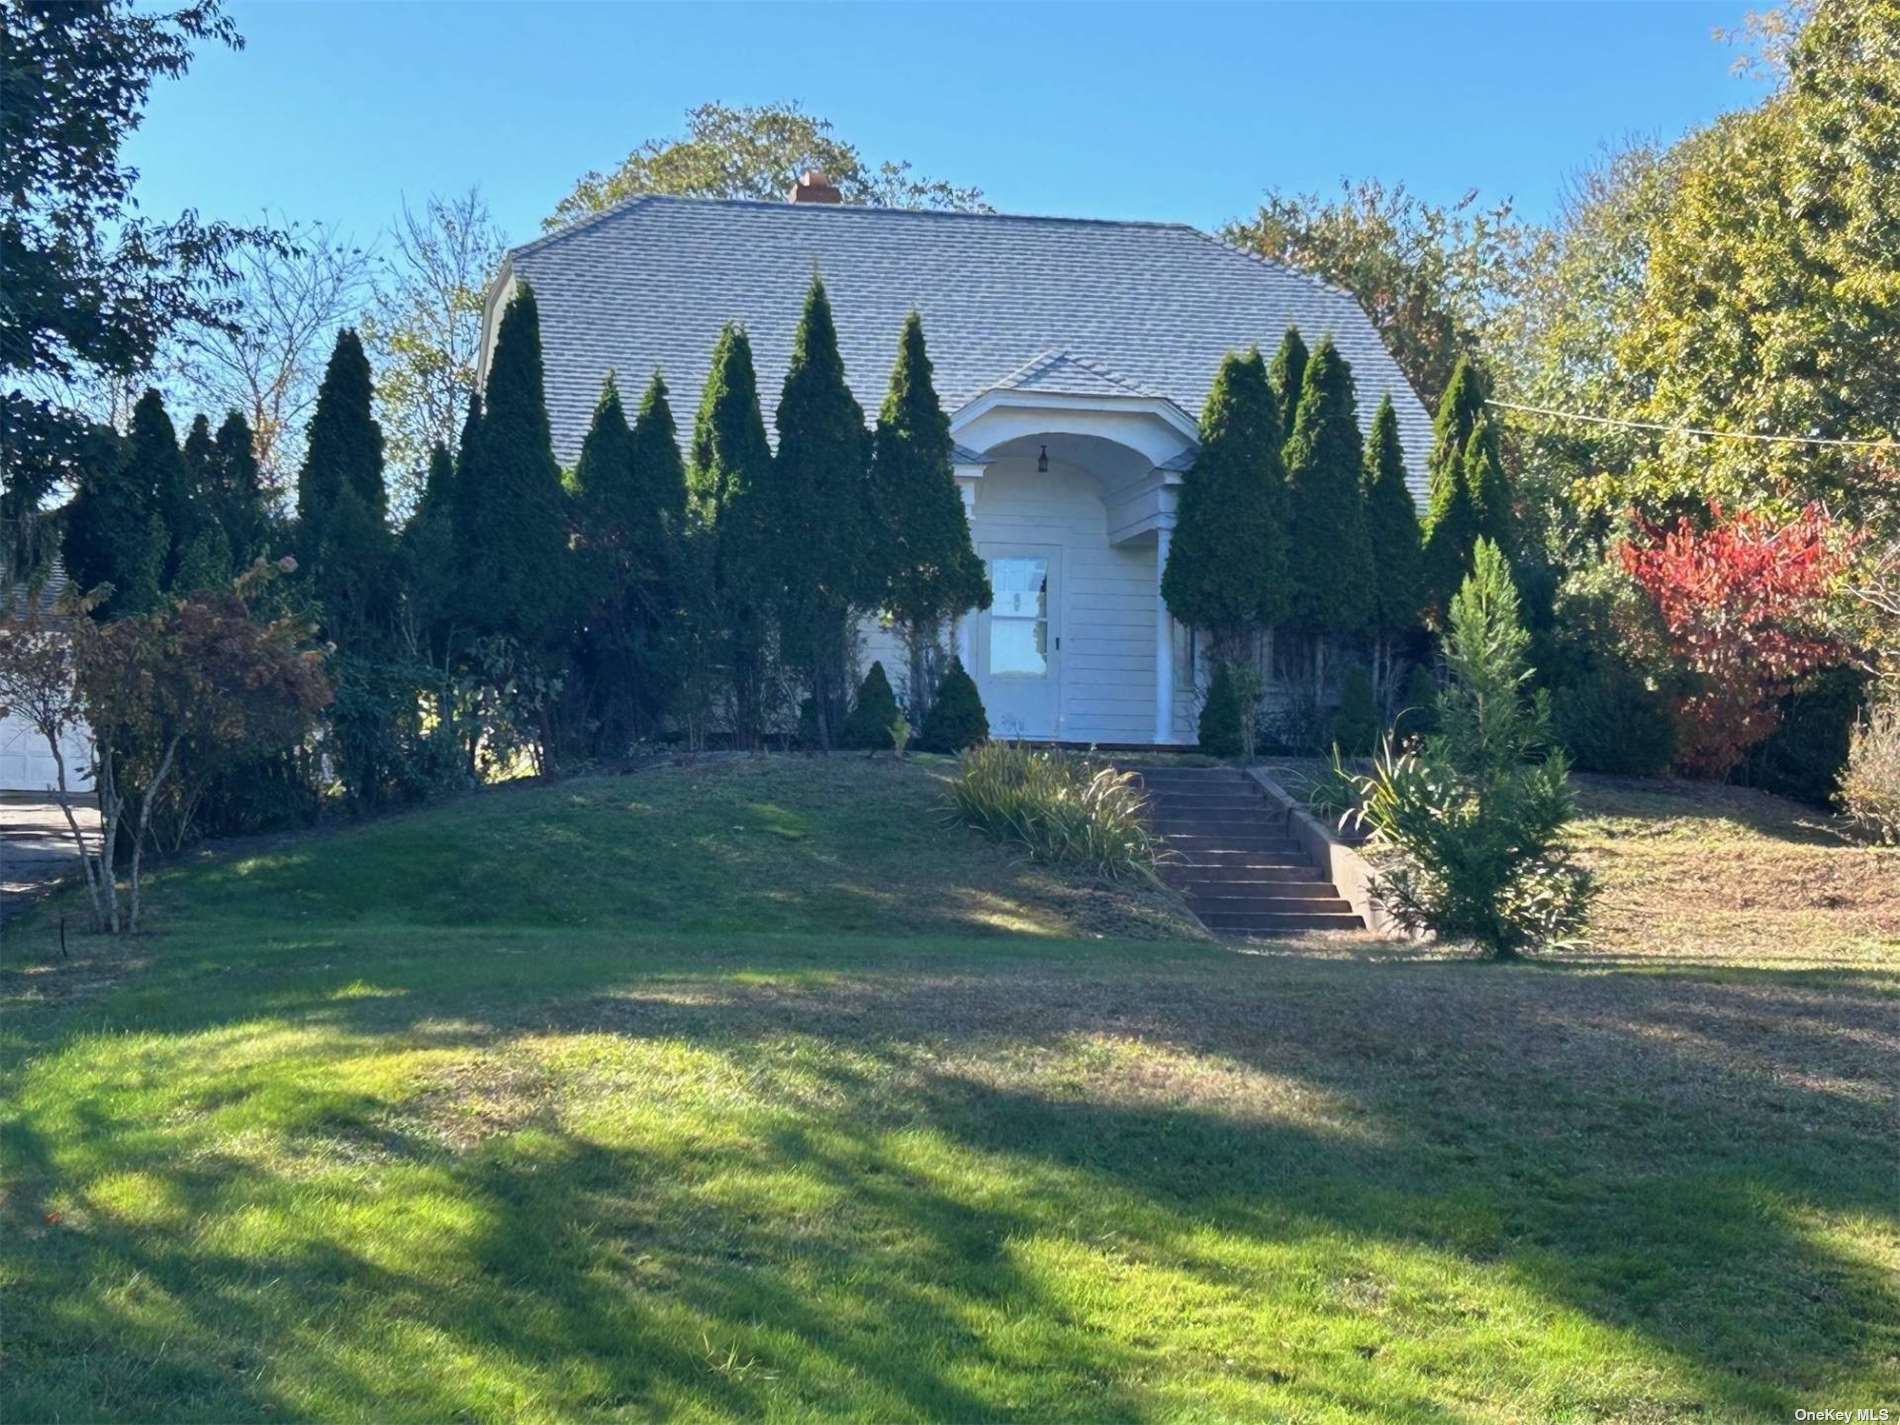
754	1092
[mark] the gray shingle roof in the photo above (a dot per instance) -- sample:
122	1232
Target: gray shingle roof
1091	306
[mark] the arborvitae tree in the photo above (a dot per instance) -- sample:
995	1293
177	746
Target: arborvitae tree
657	512
344	448
427	550
1356	721
823	527
205	561
1329	559
1226	570
239	492
1452	513
200	460
343	540
658	504
1491	488
1392	533
869	724
727	485
513	542
1222	733
115	533
1288	378
956	719
604	516
931	569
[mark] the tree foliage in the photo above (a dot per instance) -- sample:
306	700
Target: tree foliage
1743	603
824	527
930	571
1226	569
1432	278
343	540
1454	517
1329	560
729	499
92	286
512	536
872	713
116	533
1470	831
200	676
758	151
425	329
286	302
956	719
1392	528
1287	377
1771	283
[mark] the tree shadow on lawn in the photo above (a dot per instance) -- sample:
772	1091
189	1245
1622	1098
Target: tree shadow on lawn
1651	1152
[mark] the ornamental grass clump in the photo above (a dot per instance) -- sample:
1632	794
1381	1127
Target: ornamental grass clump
1065	810
1870	782
1471	829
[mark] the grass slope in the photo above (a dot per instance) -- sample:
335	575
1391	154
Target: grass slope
578	1102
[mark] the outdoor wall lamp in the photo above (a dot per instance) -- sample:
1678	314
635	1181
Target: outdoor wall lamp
1042	462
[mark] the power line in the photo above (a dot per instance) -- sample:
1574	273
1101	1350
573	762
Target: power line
1693	430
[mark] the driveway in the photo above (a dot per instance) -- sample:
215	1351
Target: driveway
36	846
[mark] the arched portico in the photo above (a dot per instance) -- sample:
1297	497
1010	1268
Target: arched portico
1071	497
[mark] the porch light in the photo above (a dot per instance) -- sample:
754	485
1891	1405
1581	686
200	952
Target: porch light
1042	462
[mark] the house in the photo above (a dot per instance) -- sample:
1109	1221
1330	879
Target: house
1071	355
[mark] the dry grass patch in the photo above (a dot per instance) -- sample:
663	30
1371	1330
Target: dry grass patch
1692	871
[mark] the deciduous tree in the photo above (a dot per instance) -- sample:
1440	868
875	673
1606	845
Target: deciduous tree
758	151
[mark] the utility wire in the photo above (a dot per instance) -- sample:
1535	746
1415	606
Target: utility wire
1693	430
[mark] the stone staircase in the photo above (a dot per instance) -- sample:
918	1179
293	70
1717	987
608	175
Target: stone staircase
1233	857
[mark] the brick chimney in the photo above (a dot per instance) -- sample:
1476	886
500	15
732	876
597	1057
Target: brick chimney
813	187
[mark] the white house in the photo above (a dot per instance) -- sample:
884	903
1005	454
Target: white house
1072	356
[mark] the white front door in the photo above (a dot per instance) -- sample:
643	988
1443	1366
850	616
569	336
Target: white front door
1019	640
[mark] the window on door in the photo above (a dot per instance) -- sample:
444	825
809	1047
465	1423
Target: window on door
1019	617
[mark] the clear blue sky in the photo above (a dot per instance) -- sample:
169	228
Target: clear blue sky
1184	112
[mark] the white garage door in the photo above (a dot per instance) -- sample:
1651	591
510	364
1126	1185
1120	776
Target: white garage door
26	763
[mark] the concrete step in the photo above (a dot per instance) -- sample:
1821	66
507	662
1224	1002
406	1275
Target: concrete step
1203	858
1205	905
1172	803
1277	922
1291	886
1260	843
1225	825
1291	868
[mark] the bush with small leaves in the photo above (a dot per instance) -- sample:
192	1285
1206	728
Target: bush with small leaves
1417	712
1356	724
1222	734
956	719
1610	721
868	725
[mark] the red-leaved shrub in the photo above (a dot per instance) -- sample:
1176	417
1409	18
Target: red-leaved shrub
1742	601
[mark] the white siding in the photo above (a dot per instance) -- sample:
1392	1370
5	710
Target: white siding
1107	595
26	763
